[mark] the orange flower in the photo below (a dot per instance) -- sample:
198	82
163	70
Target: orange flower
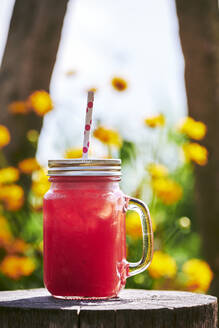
193	129
155	121
14	205
9	175
4	136
18	107
119	84
15	267
18	246
13	196
5	232
167	190
28	165
40	102
196	153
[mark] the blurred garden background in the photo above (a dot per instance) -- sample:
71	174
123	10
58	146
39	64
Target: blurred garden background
154	68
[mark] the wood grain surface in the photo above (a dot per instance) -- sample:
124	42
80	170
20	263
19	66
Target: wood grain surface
133	308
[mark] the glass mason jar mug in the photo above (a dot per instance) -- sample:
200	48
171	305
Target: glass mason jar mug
84	230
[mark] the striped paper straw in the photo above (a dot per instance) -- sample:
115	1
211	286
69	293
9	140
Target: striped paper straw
88	122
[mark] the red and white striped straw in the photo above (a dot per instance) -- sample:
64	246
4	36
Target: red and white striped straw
88	122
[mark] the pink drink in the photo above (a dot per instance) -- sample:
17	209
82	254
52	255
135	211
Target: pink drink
84	230
84	237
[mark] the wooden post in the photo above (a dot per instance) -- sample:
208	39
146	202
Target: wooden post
133	308
27	65
199	34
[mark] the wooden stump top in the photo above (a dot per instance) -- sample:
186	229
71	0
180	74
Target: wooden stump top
133	308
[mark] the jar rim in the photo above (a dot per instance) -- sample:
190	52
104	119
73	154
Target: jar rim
84	167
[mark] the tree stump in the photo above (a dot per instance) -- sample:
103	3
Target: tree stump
133	308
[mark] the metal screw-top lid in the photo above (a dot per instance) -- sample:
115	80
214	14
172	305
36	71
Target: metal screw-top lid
84	167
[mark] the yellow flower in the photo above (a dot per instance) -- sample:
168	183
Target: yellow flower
73	153
40	184
119	84
5	232
196	153
92	89
71	72
15	267
12	196
28	165
40	102
108	136
162	265
9	175
154	121
133	224
18	107
18	246
4	136
157	170
193	129
199	275
167	190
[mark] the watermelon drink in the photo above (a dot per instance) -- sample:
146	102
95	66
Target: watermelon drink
84	237
84	230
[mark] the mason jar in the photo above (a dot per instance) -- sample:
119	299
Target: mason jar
84	230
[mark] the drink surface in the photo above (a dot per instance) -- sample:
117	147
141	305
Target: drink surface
84	238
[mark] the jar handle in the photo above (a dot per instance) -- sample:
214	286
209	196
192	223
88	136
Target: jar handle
147	234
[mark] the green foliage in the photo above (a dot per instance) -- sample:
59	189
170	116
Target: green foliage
127	152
